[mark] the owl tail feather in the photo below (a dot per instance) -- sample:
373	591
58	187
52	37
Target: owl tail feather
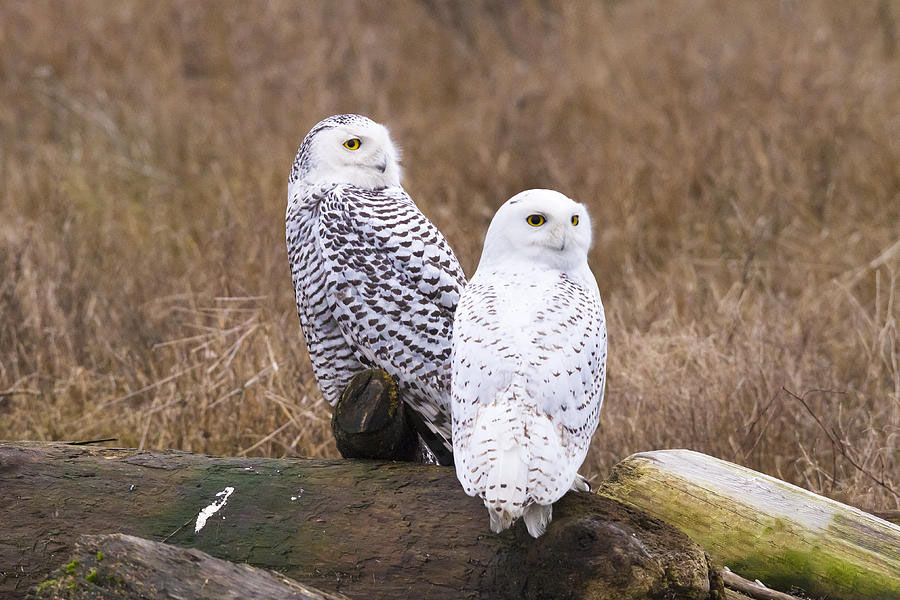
537	517
506	491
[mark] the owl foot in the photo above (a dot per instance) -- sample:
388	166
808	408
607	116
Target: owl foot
580	484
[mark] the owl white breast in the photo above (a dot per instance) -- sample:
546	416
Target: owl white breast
529	360
376	283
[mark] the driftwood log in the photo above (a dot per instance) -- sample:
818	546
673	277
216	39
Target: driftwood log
362	528
764	528
123	567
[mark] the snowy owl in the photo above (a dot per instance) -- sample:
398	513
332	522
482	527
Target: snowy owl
529	361
376	283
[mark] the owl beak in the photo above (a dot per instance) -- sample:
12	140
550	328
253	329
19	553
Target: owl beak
381	166
559	235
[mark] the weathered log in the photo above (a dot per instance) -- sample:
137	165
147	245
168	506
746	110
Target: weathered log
124	567
764	528
366	529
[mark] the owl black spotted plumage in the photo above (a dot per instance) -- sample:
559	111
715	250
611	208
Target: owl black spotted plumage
376	283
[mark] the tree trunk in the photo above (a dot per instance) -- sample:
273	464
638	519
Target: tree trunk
366	529
123	567
764	528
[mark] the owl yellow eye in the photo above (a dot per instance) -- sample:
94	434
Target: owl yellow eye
352	144
535	220
574	219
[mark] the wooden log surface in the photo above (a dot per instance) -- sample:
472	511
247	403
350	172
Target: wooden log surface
764	528
366	529
124	567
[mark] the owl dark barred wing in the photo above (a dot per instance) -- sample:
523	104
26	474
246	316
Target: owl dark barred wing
393	284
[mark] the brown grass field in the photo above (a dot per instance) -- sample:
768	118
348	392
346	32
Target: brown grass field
741	161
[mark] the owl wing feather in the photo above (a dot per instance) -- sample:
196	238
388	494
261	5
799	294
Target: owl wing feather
568	366
393	284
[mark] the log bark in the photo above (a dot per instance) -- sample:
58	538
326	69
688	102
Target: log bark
124	567
764	528
366	529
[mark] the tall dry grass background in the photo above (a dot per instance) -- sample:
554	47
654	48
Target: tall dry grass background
741	162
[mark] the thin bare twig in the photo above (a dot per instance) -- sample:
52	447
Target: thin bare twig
180	527
263	440
838	444
762	430
87	442
754	589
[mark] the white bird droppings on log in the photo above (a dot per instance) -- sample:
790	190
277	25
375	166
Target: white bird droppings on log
212	509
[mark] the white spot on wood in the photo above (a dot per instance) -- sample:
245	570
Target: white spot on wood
212	509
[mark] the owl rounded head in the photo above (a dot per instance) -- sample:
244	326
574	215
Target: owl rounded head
540	226
347	149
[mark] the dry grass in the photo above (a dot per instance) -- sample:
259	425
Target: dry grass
741	161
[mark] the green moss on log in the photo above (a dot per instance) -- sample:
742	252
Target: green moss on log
764	528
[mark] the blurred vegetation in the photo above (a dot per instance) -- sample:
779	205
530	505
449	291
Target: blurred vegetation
741	161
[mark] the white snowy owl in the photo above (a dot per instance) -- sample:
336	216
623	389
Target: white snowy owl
375	281
529	361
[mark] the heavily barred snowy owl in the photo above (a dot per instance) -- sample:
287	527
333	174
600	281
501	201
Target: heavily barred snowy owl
376	283
529	361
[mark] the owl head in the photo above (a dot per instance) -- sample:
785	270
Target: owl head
348	149
542	227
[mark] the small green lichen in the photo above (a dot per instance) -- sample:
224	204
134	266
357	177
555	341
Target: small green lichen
99	555
92	576
70	568
72	586
46	584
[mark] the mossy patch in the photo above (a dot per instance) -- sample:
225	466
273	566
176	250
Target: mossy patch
46	584
70	568
818	573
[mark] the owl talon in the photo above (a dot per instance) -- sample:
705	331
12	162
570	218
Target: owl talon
580	484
